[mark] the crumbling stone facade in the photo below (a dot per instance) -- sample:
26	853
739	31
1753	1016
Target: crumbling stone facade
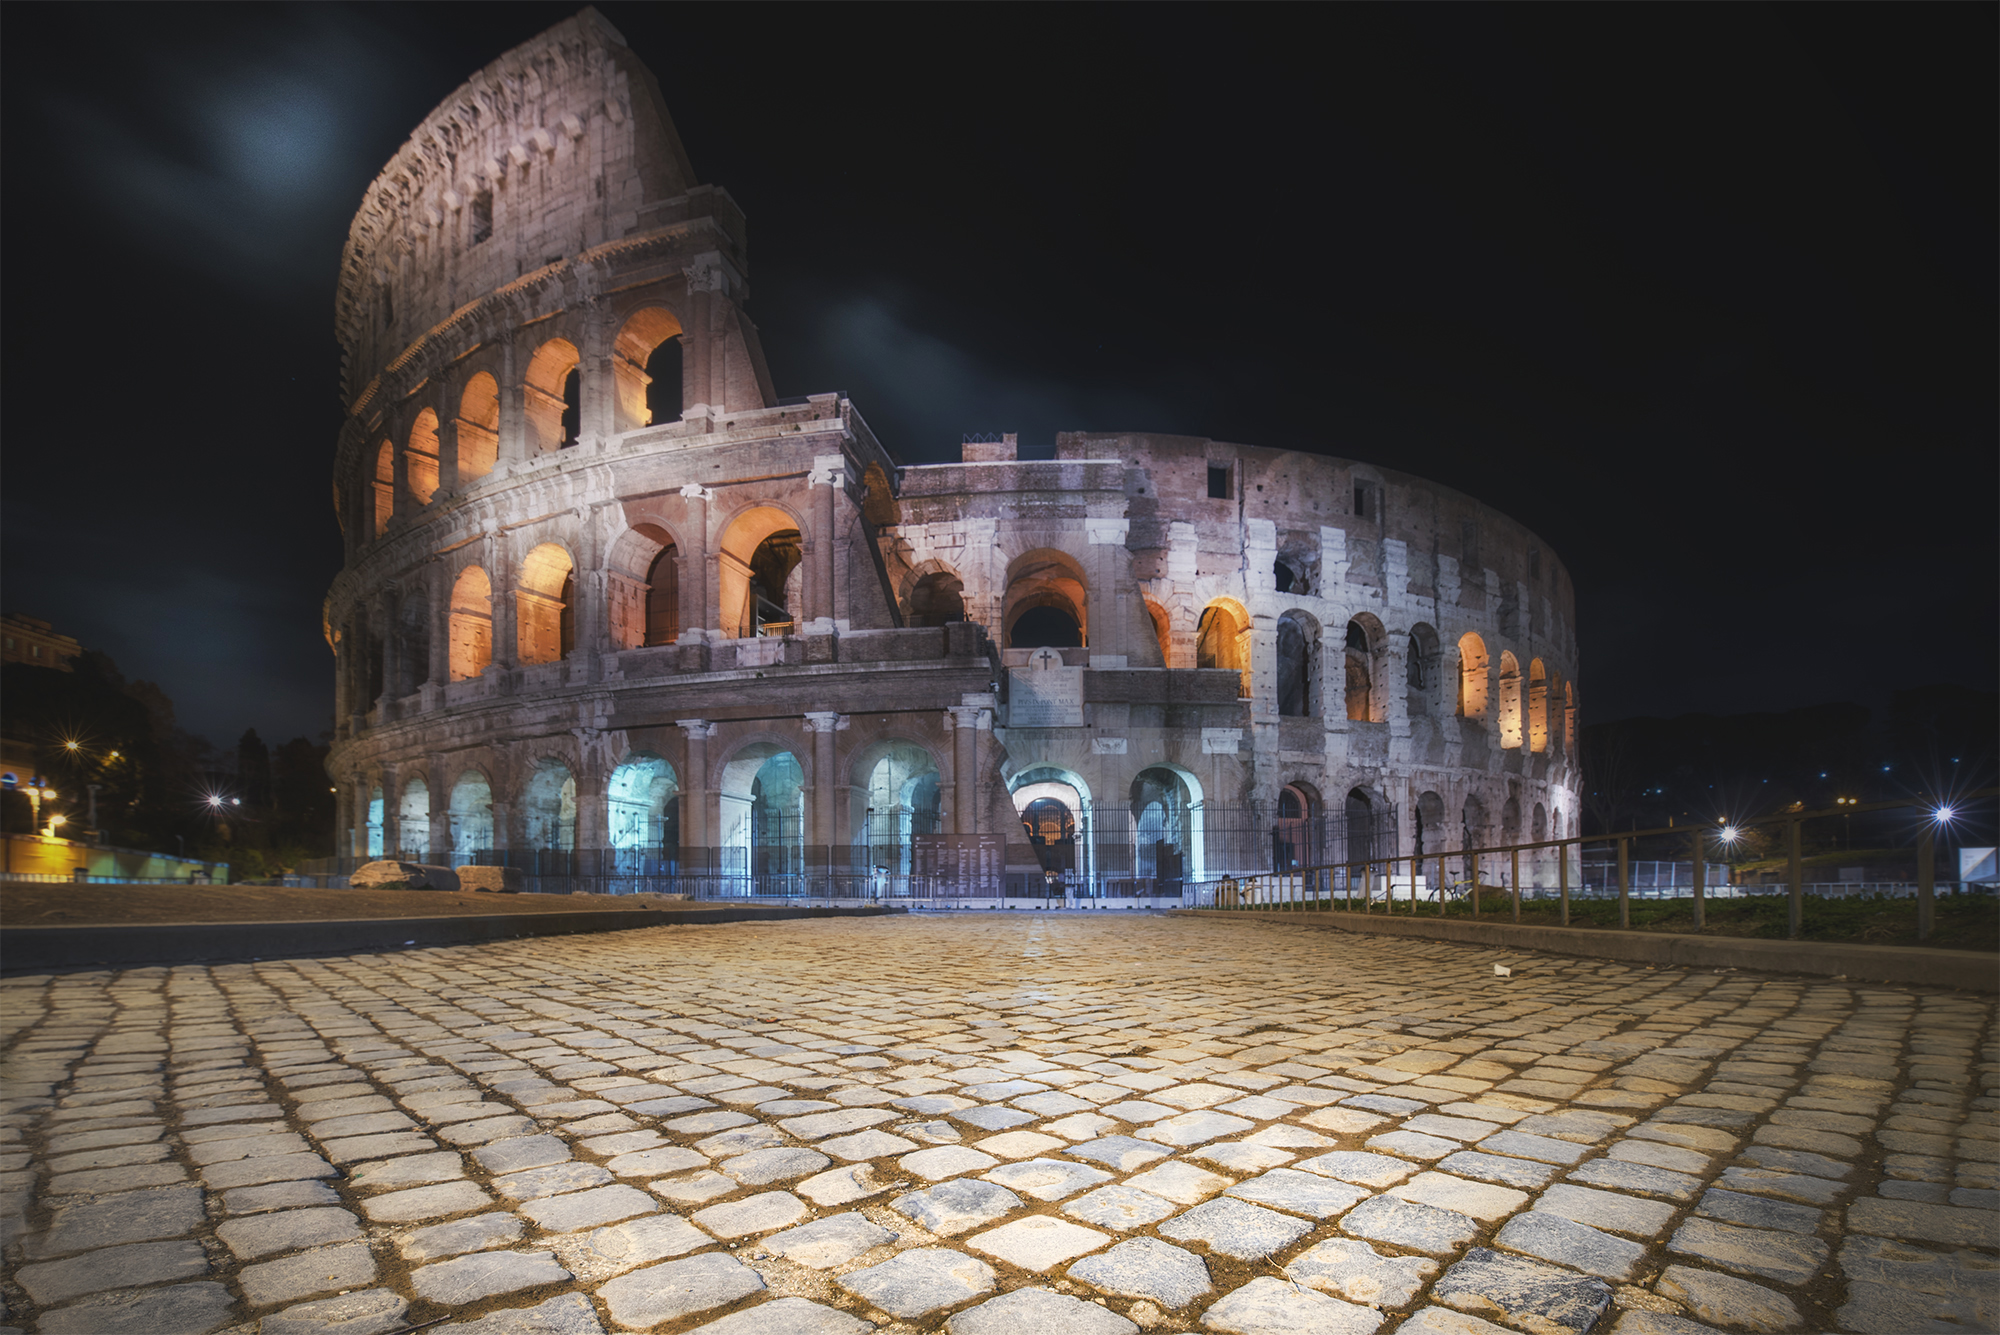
583	610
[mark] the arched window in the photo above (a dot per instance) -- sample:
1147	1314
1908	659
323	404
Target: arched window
758	561
1298	665
937	599
663	597
641	811
420	461
1162	631
545	605
1292	573
1167	824
1472	677
1222	640
1046	602
548	395
478	428
471	624
1510	821
1538	707
384	487
1297	839
647	369
1362	818
762	809
899	781
1540	828
1510	701
1431	835
1421	672
1360	674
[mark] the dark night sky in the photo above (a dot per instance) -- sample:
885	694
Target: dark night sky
1703	294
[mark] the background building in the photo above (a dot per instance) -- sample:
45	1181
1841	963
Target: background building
609	602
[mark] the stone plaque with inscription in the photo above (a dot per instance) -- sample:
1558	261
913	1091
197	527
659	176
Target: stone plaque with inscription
1045	694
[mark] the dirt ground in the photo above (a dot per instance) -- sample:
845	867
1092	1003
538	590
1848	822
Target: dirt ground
47	905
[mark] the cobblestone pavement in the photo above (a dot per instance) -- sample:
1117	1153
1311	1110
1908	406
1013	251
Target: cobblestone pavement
997	1124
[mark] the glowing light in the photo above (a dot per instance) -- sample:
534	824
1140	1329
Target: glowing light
56	820
215	799
1730	834
1943	814
70	746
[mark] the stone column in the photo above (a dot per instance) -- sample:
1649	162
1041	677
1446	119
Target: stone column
447	452
392	830
394	687
1105	570
440	786
697	604
962	721
694	798
500	571
513	445
826	479
821	725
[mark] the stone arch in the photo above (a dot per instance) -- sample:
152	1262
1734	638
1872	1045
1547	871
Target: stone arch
1166	812
420	456
549	394
1420	673
1292	572
1047	590
413	634
643	587
1363	655
1430	834
646	368
471	624
1298	664
878	498
413	816
758	559
1510	820
470	813
1365	810
933	595
478	427
1472	677
548	806
762	789
896	782
1222	639
1510	701
1538	707
1053	803
1538	830
1474	823
1163	631
642	810
384	487
1297	827
545	605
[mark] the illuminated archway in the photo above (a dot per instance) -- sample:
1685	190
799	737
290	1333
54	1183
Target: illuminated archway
762	811
420	459
545	605
413	818
1538	706
384	487
898	782
549	394
471	624
548	807
757	565
1046	603
478	428
471	814
642	811
1510	701
1222	639
647	369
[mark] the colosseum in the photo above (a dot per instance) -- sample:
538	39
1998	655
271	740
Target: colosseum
615	612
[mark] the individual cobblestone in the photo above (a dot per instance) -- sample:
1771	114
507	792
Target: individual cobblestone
1199	1104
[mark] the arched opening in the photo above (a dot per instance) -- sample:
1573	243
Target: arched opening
471	813
647	369
1051	833
420	460
1166	824
1430	834
548	807
1538	707
1046	602
545	605
1473	826
1222	640
549	396
1057	833
937	599
1360	674
899	783
663	597
478	428
1163	631
1291	573
1510	821
1362	818
471	624
763	811
757	570
641	812
1471	677
377	812
642	588
1510	701
1295	836
413	819
384	487
1420	674
1298	665
1540	828
878	498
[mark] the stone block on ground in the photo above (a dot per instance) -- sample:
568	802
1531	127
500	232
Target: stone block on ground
588	1209
829	1242
1038	1242
1119	1206
1736	1207
123	1267
1916	1221
920	1280
1480	1200
1120	1153
391	875
1525	1294
1617	1175
1047	1179
1894	1287
258	1235
436	1202
1357	1272
369	1312
1038	1312
108	1221
1236	1228
476	1234
491	880
1553	1237
1146	1268
695	1188
1267	1306
1359	1167
551	1181
1401	1223
1298	1193
178	1309
1789	1258
760	1167
413	1170
761	1213
840	1186
951	1208
676	1289
1726	1300
307	1275
1523	1173
467	1279
786	1316
1179	1182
